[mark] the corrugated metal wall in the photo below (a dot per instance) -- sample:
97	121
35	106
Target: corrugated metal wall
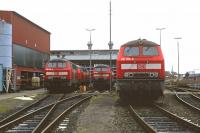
28	57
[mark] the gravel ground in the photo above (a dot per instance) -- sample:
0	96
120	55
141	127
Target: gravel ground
170	103
105	114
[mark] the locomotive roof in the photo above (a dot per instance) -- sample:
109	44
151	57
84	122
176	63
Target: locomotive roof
139	42
59	59
102	65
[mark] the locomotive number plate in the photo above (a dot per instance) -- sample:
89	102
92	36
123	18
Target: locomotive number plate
141	66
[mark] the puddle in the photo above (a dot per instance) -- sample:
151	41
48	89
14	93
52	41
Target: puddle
25	98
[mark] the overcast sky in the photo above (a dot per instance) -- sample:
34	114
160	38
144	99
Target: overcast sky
67	20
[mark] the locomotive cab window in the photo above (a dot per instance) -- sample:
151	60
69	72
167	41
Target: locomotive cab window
101	69
61	64
104	69
98	69
131	51
52	65
150	51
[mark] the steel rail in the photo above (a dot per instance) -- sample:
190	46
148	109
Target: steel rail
17	120
196	97
53	123
188	89
153	129
190	125
41	124
188	104
141	121
15	115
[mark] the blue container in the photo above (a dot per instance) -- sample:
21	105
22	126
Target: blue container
5	44
1	77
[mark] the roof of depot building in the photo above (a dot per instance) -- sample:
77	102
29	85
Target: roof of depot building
7	16
84	54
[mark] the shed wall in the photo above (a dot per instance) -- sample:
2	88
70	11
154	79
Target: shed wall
27	33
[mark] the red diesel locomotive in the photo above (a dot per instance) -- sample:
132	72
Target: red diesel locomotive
83	76
140	70
101	77
62	75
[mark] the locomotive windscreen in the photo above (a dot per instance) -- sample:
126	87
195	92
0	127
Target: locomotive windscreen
52	65
146	51
150	51
131	51
56	64
101	69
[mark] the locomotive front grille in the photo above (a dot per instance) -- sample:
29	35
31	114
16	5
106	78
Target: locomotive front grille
56	78
140	75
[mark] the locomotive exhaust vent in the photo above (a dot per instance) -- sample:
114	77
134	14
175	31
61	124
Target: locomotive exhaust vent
130	75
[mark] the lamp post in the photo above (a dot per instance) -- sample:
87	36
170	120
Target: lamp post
110	44
160	29
90	48
178	38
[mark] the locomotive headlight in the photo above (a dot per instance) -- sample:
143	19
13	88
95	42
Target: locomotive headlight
131	75
153	75
96	75
126	75
105	75
49	73
156	75
63	73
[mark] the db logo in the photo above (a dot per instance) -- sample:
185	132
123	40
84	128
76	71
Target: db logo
141	66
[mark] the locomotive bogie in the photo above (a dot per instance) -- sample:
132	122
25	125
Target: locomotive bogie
60	85
140	89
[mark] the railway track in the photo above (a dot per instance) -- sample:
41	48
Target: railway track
186	89
156	119
35	120
31	108
61	120
181	89
190	100
198	95
191	89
